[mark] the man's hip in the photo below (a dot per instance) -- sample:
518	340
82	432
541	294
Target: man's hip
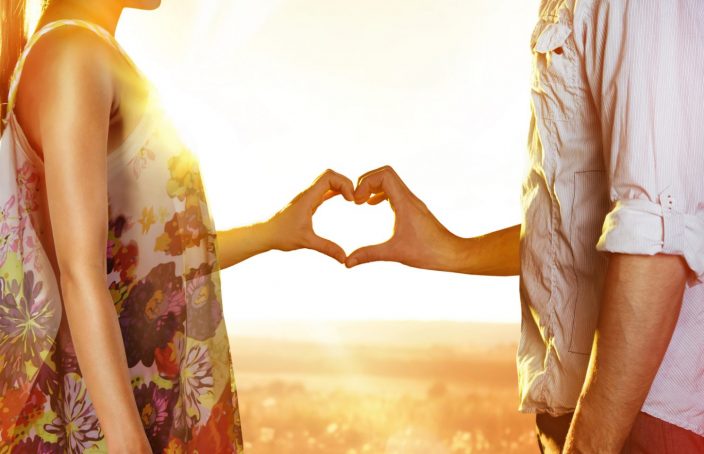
649	435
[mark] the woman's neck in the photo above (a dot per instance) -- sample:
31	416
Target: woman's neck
105	13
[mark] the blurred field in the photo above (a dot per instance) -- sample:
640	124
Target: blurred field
379	387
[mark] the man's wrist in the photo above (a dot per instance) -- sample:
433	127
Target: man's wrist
493	254
453	254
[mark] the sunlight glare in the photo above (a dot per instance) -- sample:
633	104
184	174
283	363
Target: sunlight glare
270	93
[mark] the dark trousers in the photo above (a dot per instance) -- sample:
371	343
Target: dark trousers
552	432
649	435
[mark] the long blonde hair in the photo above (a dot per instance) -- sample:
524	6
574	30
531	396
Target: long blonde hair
17	19
13	28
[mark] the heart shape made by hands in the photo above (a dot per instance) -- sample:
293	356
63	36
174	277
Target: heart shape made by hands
353	226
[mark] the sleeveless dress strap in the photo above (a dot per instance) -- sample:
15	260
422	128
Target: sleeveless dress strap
97	29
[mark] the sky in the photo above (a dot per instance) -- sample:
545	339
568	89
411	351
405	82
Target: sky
270	93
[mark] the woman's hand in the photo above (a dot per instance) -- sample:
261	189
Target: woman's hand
292	228
289	229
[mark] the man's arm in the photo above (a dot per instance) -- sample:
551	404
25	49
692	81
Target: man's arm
493	254
421	241
643	68
642	299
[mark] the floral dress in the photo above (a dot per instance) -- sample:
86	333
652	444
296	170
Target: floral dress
163	275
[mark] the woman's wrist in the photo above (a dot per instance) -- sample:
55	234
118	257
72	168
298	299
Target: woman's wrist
239	244
266	235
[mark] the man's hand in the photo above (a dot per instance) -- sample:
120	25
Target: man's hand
419	239
292	228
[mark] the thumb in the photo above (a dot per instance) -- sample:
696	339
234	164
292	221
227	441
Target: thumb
376	253
327	247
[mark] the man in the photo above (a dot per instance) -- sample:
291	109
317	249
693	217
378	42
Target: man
617	166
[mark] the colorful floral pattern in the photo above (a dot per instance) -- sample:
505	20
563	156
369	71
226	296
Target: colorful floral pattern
185	183
153	311
163	277
202	293
185	229
196	381
221	428
76	424
25	318
35	445
9	230
141	159
121	255
16	236
155	406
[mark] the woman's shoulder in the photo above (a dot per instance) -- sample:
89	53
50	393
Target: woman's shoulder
68	50
66	66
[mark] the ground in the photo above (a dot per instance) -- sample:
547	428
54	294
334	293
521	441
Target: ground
345	395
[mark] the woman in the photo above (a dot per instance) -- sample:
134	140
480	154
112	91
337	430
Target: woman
115	186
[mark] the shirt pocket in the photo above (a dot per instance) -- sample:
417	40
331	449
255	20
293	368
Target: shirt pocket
554	82
589	208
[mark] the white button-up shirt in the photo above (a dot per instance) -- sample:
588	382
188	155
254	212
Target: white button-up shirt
616	164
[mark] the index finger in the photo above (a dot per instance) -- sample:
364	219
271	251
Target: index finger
332	181
383	180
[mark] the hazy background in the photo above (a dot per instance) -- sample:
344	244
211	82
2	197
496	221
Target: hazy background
269	93
272	92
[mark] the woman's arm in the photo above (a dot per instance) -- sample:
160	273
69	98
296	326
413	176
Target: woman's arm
289	229
238	244
76	90
421	241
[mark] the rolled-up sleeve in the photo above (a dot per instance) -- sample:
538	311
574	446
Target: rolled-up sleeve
644	62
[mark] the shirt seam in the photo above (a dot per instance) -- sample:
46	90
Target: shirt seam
548	366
